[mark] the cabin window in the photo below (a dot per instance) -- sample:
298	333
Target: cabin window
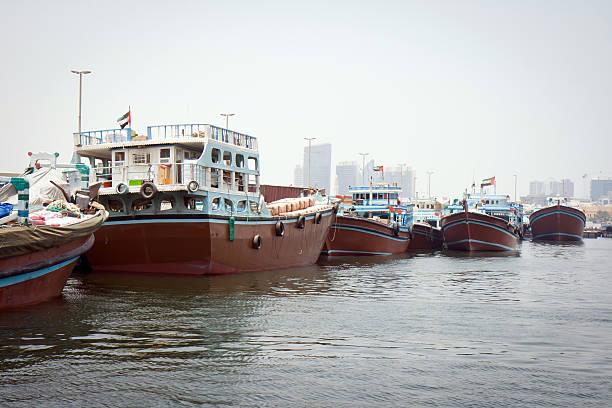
141	158
214	178
142	204
216	203
252	163
115	205
215	155
239	180
119	157
252	183
166	204
227	158
191	155
229	205
239	160
193	203
164	153
253	206
241	206
227	178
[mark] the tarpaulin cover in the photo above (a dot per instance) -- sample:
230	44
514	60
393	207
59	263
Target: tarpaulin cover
41	189
19	240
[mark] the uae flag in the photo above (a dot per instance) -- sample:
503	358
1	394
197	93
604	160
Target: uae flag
488	182
379	168
125	120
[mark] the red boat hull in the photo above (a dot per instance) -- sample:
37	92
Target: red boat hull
360	236
470	231
200	244
425	238
39	276
557	223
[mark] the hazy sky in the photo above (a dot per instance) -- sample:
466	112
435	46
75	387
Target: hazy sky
494	88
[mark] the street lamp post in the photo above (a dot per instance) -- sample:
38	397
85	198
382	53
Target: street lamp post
80	74
429	173
363	156
227	116
515	178
310	139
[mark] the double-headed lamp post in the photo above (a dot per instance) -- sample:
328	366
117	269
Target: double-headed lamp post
310	139
80	74
227	116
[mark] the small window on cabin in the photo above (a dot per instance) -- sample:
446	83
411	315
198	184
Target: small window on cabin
239	160
227	178
166	204
215	155
252	183
141	205
119	156
253	206
229	205
191	155
141	158
239	180
164	153
115	205
214	178
227	158
193	203
252	163
216	203
241	206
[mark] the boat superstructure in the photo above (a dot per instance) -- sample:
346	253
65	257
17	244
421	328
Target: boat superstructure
426	232
186	199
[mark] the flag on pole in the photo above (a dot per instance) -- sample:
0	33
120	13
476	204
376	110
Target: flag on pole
488	182
379	168
125	120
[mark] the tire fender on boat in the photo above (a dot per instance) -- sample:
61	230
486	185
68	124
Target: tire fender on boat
257	241
317	218
301	222
280	228
148	190
122	188
193	186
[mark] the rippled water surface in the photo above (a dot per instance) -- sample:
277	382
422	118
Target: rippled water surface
426	330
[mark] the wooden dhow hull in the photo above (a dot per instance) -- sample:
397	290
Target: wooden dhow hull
361	236
39	276
425	238
557	223
199	244
472	231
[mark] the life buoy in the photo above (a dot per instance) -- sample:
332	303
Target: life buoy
122	188
317	218
148	190
257	241
193	186
280	228
301	222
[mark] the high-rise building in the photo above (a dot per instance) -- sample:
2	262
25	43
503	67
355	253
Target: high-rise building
600	189
537	188
318	172
298	176
402	176
348	175
567	188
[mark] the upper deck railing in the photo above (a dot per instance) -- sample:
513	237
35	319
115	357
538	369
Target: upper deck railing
166	132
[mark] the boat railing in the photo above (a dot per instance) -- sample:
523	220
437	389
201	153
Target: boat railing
158	173
97	137
192	131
